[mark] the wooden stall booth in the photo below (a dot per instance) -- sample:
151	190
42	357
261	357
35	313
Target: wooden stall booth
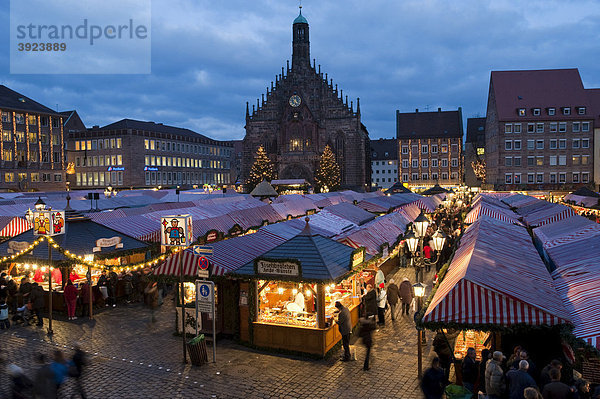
288	299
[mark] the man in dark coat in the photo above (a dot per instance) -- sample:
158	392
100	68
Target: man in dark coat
433	382
12	288
37	302
470	370
345	327
556	389
371	301
393	294
112	288
545	374
367	325
406	295
518	380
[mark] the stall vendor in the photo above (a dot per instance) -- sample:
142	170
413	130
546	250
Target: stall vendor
38	277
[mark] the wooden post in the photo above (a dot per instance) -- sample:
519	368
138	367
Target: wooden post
180	261
50	331
320	305
90	291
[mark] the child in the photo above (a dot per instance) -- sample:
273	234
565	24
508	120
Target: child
4	322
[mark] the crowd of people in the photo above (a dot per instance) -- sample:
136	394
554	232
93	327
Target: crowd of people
517	377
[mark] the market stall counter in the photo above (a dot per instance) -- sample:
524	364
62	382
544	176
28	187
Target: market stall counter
289	301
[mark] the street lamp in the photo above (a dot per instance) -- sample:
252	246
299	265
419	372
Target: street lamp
414	241
421	223
419	289
438	240
40	205
29	216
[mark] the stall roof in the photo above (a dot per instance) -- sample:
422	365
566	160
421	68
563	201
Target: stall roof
519	200
264	189
483	208
385	203
566	231
350	212
547	214
486	284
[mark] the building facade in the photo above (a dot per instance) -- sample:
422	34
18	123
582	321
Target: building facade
131	153
474	150
301	113
384	163
430	148
539	130
32	155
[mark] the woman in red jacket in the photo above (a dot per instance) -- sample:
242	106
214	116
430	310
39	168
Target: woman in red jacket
71	299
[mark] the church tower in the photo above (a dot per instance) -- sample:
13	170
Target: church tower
301	113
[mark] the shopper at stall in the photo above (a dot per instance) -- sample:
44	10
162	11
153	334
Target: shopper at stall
494	377
367	325
582	390
427	255
433	382
12	288
70	295
3	287
556	389
406	295
516	355
393	294
25	289
345	327
128	280
84	295
443	349
370	299
113	280
532	370
4	322
381	303
545	374
486	356
518	380
103	286
470	370
532	393
36	298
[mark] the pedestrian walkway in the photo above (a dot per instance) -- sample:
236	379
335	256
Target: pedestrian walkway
131	357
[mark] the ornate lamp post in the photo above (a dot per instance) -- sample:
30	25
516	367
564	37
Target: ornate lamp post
414	241
419	290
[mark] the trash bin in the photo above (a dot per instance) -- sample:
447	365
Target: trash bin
458	392
197	349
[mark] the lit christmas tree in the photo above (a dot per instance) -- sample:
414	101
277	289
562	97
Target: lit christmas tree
327	177
479	169
261	169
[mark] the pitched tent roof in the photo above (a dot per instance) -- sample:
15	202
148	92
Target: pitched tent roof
264	189
320	258
398	188
585	192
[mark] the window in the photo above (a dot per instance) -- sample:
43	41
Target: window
530	161
454	162
566	110
585	159
575	177
56	157
553	160
508	145
119	142
517	161
508	178
562	127
562	177
424	176
424	149
553	144
44	121
454	148
7	135
539	144
585	143
119	159
45	157
553	127
434	176
539	178
57	177
539	128
539	161
508	161
107	144
575	143
101	160
32	137
517	128
35	177
424	163
405	163
434	163
20	137
562	160
9	177
551	111
562	144
517	178
444	163
530	178
521	112
415	149
585	126
581	110
444	175
530	144
6	117
404	176
55	122
32	120
434	148
552	177
415	176
415	163
537	111
585	177
20	119
444	148
576	128
530	127
147	147
405	149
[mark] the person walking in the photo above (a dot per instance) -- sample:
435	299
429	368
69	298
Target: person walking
443	349
36	298
44	386
470	370
433	382
84	294
393	294
59	369
70	295
370	301
381	304
494	377
406	295
556	389
367	325
345	327
76	370
518	380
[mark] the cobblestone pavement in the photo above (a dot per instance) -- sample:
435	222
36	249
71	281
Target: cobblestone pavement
131	357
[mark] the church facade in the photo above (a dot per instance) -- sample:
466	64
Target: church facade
300	114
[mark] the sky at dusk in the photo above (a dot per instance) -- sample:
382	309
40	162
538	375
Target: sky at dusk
209	57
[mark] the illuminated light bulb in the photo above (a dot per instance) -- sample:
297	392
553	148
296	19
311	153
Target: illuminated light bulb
294	291
267	288
308	293
280	291
327	289
43	269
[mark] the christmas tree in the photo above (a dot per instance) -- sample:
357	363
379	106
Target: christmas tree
261	169
327	177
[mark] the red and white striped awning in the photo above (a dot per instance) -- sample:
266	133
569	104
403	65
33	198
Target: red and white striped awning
13	226
483	209
170	267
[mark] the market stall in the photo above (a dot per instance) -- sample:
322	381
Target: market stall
287	301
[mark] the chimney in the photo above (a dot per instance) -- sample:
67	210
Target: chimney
439	109
417	110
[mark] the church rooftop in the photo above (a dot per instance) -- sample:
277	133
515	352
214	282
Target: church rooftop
300	19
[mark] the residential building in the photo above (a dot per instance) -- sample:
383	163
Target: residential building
539	130
474	150
430	147
384	163
301	113
32	155
132	153
594	97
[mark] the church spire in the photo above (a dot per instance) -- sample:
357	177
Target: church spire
300	42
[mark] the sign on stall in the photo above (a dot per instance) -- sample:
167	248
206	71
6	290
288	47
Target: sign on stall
17	246
108	242
280	268
48	223
176	231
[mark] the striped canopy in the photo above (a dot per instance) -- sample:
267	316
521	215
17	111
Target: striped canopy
170	267
13	226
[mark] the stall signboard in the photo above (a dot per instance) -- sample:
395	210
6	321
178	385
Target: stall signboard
48	223
212	235
357	258
176	230
278	268
107	243
17	246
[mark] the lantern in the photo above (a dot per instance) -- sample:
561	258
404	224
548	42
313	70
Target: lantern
438	240
176	231
412	241
421	223
419	289
48	223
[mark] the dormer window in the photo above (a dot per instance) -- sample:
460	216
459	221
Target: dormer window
522	112
581	110
537	111
566	110
551	111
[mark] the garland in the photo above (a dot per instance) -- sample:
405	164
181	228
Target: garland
30	248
